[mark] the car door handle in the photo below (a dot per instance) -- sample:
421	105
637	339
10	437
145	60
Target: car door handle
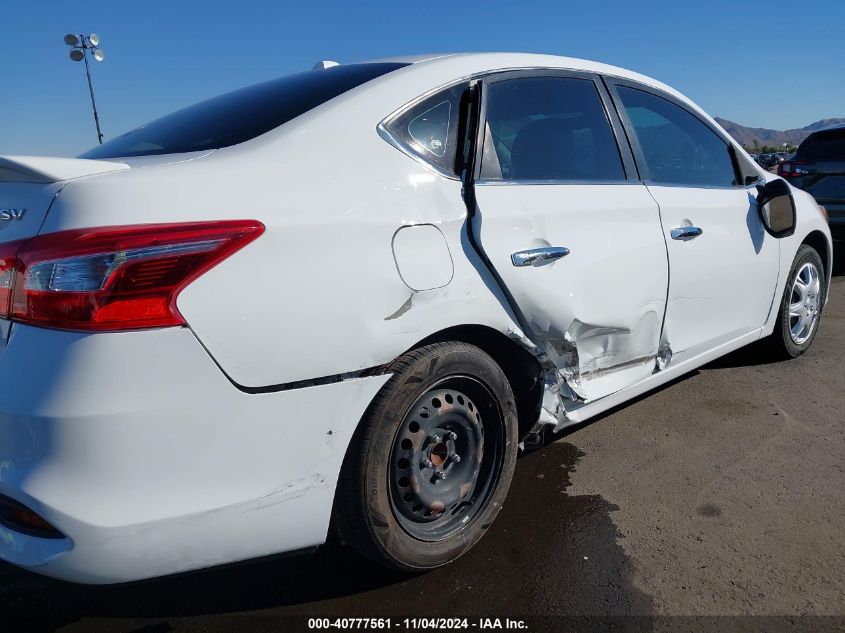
686	232
538	256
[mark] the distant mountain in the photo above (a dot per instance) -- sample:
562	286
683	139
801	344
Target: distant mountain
749	137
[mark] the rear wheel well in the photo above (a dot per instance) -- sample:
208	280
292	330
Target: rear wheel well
818	241
522	370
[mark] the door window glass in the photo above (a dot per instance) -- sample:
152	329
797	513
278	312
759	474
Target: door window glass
429	129
548	129
678	148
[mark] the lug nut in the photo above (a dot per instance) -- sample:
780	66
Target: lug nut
440	474
452	435
456	459
435	439
426	463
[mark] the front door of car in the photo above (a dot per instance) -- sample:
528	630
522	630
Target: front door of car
573	236
724	266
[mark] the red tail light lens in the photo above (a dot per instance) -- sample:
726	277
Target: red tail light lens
113	278
792	169
8	265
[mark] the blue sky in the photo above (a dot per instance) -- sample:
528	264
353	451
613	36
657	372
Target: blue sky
761	63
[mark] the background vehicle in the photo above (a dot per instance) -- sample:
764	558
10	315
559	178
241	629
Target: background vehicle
767	161
818	167
226	333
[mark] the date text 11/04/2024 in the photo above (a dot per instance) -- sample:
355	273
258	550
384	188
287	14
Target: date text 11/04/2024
416	624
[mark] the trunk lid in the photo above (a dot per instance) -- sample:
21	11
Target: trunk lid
29	184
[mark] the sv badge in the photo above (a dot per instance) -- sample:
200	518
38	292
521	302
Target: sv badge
12	214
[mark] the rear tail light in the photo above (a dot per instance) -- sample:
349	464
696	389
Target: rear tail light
792	169
8	265
113	278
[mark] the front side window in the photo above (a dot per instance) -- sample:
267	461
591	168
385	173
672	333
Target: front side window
241	115
548	129
677	147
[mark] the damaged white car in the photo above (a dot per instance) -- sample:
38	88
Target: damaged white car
342	299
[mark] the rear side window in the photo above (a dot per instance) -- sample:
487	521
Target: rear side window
678	147
548	129
823	147
241	115
428	130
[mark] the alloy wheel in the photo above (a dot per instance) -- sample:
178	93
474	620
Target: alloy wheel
804	303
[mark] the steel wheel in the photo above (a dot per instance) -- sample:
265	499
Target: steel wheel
432	459
804	303
445	459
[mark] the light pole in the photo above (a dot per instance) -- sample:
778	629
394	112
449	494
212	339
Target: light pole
80	46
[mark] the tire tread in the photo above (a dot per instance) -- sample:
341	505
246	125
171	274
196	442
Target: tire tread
350	518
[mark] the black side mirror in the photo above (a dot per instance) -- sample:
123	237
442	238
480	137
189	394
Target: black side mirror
777	208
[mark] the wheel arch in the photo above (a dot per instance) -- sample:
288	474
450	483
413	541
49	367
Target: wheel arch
818	240
523	371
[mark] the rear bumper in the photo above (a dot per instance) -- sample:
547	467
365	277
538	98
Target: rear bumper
138	449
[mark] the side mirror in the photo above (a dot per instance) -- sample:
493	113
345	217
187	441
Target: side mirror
777	208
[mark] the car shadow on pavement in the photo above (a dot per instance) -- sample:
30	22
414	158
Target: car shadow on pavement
547	554
757	353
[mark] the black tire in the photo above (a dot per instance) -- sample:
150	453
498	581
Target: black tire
781	342
387	522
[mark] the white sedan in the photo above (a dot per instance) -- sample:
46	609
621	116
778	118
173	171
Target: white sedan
344	298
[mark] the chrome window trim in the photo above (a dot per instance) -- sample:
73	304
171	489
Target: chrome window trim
411	153
652	183
599	78
492	182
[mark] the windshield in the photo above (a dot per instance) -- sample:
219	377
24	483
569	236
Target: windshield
240	115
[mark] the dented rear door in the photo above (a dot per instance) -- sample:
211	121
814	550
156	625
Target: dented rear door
573	236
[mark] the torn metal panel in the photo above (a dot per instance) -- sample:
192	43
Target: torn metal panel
555	388
596	314
664	354
589	361
592	360
409	303
604	358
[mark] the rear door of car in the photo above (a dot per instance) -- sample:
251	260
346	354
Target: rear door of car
724	266
573	236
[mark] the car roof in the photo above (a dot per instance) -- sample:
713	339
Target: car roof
830	128
442	68
493	61
815	134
